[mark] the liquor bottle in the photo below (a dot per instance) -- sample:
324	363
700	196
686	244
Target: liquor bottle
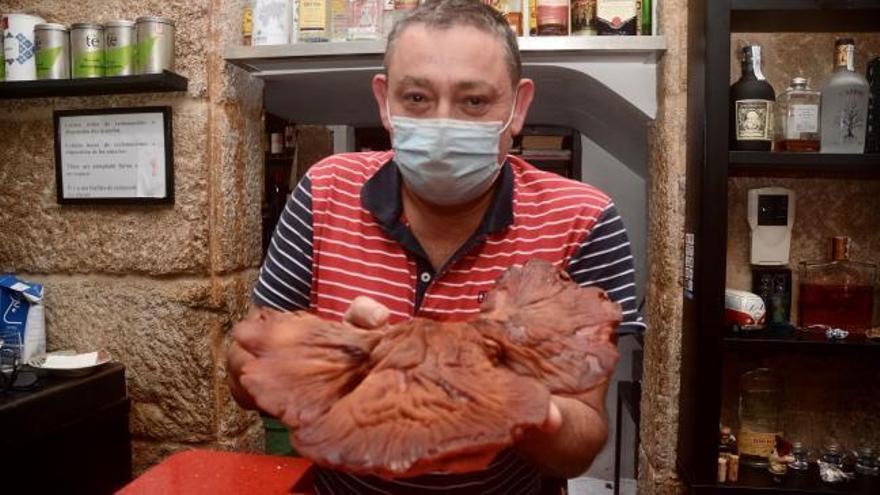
340	17
797	118
514	15
839	293
313	20
872	140
583	18
751	106
533	17
366	20
617	17
844	106
760	397
552	17
645	24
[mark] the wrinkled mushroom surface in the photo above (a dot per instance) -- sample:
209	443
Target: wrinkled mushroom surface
424	396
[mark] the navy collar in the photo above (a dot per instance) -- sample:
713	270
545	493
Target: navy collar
381	196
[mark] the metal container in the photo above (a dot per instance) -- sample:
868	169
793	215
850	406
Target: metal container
87	50
18	49
52	42
155	44
119	55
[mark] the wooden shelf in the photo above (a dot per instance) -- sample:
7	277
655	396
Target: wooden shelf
759	481
803	165
788	339
769	16
165	82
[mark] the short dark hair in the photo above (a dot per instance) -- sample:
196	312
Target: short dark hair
444	14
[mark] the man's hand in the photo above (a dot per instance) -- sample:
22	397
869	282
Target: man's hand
571	437
364	312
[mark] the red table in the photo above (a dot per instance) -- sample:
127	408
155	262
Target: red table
195	472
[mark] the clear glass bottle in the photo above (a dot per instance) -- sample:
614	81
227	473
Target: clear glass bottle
365	22
514	15
759	421
314	20
797	118
837	293
844	107
583	18
340	17
751	106
801	456
552	17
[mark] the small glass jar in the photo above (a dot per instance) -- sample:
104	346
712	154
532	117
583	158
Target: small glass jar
867	463
797	118
801	456
833	453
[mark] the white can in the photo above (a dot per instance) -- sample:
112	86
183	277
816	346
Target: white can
19	46
155	42
272	22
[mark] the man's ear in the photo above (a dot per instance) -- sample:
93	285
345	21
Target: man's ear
525	93
380	93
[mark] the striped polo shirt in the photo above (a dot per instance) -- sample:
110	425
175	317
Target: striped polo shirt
343	234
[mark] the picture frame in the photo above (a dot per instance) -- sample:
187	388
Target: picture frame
114	155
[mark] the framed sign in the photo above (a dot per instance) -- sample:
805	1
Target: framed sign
114	155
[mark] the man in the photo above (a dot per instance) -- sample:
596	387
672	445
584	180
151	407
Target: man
426	229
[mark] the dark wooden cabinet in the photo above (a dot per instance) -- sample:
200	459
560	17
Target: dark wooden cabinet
70	435
706	343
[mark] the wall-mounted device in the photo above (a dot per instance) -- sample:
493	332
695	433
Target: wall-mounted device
771	217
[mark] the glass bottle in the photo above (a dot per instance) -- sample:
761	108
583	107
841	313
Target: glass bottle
583	18
751	105
801	456
514	15
617	17
844	106
645	25
340	17
759	422
839	293
365	22
872	140
867	463
797	118
533	17
552	17
832	453
314	20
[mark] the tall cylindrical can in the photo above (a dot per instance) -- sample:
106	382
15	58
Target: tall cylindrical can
119	54
52	43
155	44
18	47
87	50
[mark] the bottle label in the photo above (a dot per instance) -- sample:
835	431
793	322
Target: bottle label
616	13
754	120
803	119
553	12
313	16
757	443
582	14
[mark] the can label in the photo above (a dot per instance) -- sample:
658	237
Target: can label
88	55
145	48
47	61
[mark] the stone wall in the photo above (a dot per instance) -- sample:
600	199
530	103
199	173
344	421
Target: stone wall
666	214
157	286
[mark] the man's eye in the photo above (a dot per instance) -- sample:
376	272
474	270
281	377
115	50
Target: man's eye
475	101
415	98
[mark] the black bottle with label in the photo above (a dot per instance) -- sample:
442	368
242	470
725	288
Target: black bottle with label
751	106
872	140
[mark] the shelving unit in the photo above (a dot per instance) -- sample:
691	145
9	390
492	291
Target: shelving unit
706	345
165	82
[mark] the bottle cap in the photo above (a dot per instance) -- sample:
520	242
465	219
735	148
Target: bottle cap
799	81
844	41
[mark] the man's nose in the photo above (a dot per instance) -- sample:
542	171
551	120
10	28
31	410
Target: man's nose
444	109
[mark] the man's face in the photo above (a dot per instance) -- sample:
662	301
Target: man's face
456	73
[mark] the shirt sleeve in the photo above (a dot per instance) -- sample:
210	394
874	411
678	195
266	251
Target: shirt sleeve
285	281
604	259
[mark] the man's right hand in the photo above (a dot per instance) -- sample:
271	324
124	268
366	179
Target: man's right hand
364	312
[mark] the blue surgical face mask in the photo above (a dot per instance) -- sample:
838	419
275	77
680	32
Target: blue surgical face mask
447	162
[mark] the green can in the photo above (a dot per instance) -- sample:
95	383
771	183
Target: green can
120	53
52	43
87	50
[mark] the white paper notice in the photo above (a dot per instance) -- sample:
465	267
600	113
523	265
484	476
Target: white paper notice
113	155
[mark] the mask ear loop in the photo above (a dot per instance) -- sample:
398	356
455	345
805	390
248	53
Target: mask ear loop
512	113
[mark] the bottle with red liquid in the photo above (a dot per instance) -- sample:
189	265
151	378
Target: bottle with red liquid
839	293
